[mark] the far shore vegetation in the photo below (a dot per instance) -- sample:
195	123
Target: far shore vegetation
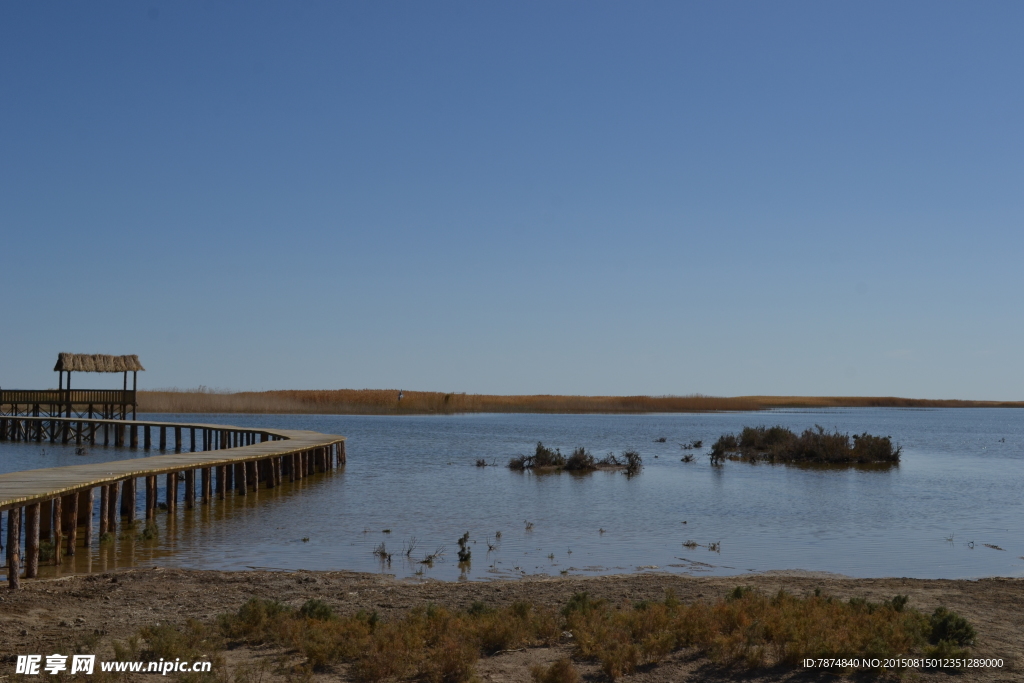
814	446
399	402
744	630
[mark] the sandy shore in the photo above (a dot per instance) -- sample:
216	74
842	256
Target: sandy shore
49	616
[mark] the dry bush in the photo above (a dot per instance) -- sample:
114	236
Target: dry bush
561	671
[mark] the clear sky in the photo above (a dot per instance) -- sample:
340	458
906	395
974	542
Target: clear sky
515	197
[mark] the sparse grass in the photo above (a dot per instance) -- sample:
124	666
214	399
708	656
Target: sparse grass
385	401
781	445
744	628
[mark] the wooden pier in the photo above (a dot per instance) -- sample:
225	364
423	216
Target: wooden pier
229	460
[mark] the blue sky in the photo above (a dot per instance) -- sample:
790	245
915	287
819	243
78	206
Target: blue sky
549	197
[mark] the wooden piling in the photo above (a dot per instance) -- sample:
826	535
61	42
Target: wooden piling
133	431
58	529
163	438
85	514
128	500
104	504
205	495
190	489
32	540
71	501
177	439
14	548
240	482
172	493
192	439
147	438
150	498
112	508
222	481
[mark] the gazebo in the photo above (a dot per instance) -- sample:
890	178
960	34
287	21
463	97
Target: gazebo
65	402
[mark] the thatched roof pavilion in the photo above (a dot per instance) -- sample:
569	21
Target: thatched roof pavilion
98	362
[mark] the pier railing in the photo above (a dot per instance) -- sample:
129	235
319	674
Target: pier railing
56	502
105	403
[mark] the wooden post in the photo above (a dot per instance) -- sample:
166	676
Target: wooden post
58	529
172	492
112	508
177	439
86	507
292	468
106	434
268	466
163	438
192	439
222	480
148	440
205	495
341	453
32	541
240	482
253	475
72	518
230	476
78	433
190	489
128	500
150	497
14	548
104	504
134	431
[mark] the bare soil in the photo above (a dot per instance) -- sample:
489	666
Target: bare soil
53	615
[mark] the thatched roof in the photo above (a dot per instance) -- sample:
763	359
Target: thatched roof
85	362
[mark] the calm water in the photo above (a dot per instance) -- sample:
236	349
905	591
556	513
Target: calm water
960	486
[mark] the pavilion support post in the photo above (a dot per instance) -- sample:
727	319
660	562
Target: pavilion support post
104	504
177	439
163	438
85	509
78	433
190	489
32	541
14	548
148	440
192	439
134	431
72	518
106	434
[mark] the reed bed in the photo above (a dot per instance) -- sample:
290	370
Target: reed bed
387	402
432	644
781	445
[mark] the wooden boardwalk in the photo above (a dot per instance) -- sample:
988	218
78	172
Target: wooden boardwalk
242	459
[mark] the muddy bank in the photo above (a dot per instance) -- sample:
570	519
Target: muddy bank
93	610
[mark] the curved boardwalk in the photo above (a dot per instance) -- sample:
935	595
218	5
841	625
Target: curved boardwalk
59	500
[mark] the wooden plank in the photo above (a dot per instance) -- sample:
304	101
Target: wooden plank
20	488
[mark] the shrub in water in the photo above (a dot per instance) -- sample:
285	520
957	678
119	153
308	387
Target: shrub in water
580	461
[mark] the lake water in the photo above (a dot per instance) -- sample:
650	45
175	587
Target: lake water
960	486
